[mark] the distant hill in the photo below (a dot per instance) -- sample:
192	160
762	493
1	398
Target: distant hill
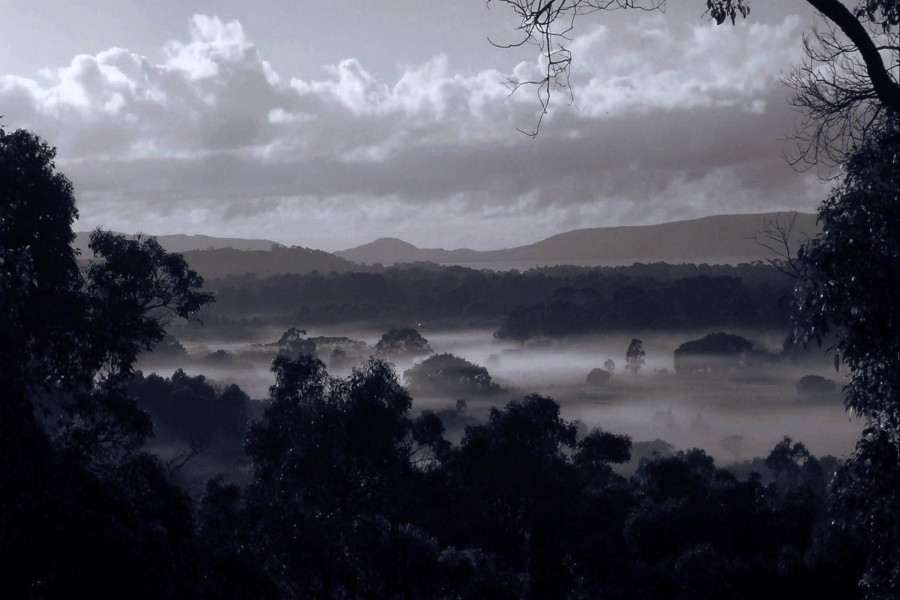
185	243
388	251
720	239
215	257
222	262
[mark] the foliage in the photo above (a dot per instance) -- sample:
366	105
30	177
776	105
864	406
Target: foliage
351	496
692	302
41	302
849	280
333	462
450	375
186	408
82	509
135	287
709	296
848	288
634	356
850	96
294	342
713	352
598	377
402	342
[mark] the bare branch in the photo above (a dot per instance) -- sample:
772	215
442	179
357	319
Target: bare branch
197	447
547	25
886	89
776	237
846	82
832	90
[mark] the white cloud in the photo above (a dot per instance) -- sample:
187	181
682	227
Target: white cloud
681	66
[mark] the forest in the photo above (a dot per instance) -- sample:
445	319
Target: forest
349	480
551	301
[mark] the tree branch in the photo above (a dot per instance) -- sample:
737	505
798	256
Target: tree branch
886	88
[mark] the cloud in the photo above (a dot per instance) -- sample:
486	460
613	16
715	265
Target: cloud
672	120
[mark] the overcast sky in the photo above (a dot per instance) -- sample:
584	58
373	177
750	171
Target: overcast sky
330	123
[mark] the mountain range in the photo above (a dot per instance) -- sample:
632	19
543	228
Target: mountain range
719	239
184	243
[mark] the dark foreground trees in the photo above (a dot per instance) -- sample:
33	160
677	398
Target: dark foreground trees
353	496
81	508
849	289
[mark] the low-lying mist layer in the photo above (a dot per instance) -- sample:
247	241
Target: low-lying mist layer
733	415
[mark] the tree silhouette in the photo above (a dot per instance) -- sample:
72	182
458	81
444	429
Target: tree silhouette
634	356
713	352
335	466
82	510
451	375
402	342
848	290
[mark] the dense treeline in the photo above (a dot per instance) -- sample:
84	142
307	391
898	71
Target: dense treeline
648	304
548	301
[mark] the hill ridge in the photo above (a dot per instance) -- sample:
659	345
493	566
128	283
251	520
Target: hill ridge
727	239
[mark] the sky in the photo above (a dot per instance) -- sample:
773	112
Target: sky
331	123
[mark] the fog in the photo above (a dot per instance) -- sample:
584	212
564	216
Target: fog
734	416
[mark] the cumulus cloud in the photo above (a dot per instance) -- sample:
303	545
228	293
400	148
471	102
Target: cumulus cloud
672	120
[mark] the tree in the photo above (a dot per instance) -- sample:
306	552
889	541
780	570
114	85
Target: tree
634	356
131	290
609	365
516	326
450	375
294	342
335	463
513	479
848	291
39	277
402	342
713	352
597	377
77	497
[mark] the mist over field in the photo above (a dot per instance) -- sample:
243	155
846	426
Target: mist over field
754	408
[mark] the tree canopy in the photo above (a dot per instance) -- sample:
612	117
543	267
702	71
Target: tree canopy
634	355
81	507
